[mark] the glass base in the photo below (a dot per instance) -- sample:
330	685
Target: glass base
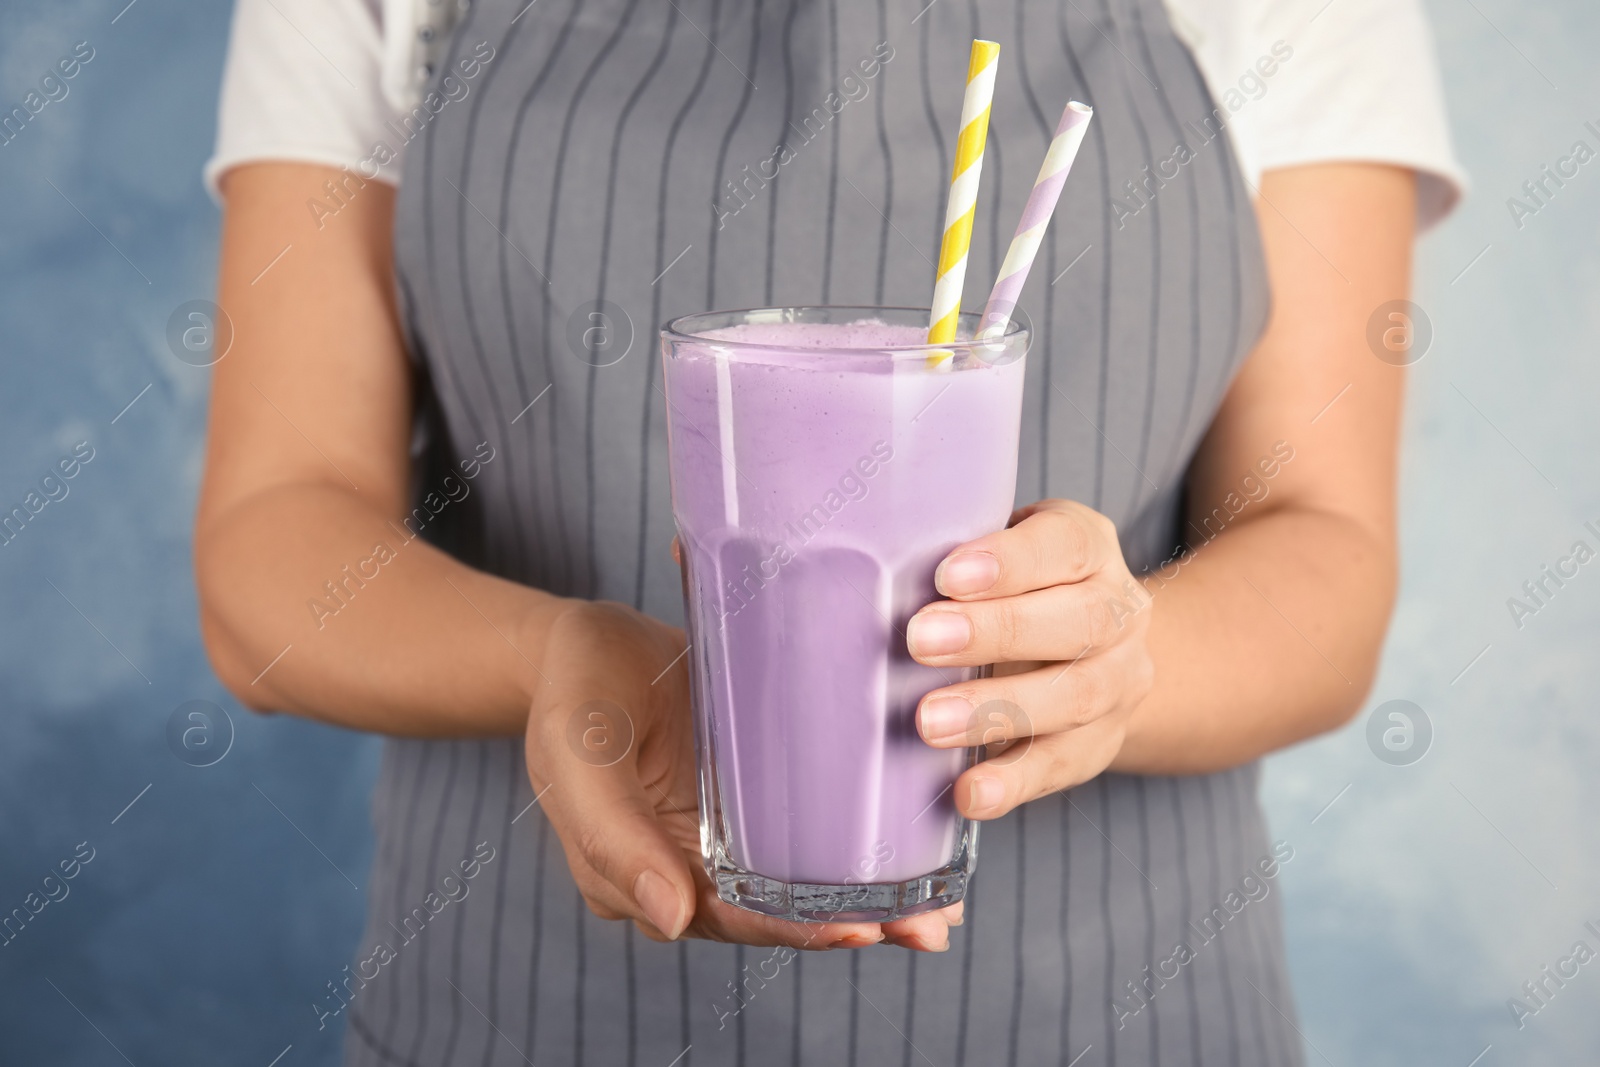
868	902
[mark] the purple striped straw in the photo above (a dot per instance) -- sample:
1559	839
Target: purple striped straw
1035	218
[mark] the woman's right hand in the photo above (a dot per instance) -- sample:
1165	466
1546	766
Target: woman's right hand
432	648
610	753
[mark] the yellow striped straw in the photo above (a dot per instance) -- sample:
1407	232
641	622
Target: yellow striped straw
963	201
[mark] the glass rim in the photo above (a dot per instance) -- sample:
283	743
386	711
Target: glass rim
676	330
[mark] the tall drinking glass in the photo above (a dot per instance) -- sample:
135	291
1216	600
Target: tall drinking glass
823	461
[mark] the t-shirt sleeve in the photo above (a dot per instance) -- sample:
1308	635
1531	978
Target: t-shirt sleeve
1312	81
303	83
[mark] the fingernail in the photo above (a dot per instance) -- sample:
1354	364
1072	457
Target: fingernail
956	914
986	793
966	572
659	901
938	633
944	717
857	941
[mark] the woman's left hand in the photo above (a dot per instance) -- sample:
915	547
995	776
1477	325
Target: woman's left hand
1051	603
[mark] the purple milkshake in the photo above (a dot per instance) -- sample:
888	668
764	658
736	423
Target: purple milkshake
822	465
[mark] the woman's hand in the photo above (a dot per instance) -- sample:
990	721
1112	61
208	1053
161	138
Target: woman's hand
610	753
1051	603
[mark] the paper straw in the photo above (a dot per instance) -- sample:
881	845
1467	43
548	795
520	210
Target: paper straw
1035	218
963	201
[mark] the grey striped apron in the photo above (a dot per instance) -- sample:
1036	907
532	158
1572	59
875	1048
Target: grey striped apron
620	158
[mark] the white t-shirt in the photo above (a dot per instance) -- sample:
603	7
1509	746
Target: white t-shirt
1301	81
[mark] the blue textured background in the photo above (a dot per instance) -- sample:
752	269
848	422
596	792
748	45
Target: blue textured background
207	922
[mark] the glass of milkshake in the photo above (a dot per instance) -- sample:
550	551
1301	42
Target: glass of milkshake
823	461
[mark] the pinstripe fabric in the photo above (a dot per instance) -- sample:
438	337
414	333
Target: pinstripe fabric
592	161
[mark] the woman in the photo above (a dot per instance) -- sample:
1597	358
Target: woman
435	504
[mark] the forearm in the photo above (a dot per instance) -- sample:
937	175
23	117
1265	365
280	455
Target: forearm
313	602
1265	636
314	596
1270	631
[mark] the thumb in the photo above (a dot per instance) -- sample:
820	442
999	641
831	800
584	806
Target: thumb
621	856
